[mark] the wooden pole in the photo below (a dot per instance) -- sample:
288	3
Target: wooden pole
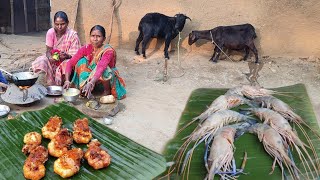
75	14
36	11
12	16
165	75
25	15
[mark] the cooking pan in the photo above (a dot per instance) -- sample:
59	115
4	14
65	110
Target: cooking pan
23	78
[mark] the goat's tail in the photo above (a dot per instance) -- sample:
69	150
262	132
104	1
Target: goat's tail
254	34
253	31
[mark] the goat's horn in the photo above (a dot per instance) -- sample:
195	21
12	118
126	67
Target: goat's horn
188	18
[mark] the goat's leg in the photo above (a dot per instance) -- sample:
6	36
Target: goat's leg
166	47
247	50
255	51
139	39
144	44
213	55
216	49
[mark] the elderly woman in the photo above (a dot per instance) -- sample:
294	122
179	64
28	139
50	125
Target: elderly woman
94	67
62	43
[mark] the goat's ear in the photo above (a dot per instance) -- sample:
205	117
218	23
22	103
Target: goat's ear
192	36
176	15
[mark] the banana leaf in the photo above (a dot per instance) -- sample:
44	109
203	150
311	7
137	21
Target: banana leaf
258	164
129	159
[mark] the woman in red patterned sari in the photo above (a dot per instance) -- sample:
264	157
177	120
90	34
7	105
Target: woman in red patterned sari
95	67
62	40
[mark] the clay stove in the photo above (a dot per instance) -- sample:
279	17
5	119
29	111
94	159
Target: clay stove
24	94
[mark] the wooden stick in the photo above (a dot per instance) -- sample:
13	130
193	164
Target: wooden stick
37	18
12	16
75	15
25	15
165	76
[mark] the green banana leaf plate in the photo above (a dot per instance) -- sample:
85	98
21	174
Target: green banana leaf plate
259	163
129	159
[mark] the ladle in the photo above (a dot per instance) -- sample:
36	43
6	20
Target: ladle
10	74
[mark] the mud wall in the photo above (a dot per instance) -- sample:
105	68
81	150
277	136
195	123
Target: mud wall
284	28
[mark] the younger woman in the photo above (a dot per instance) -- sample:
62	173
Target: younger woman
62	40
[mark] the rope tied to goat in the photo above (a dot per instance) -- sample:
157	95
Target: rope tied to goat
116	4
179	62
213	42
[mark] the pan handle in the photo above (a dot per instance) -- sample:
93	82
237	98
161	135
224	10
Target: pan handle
6	72
15	78
31	70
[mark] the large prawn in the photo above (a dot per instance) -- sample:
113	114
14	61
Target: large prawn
284	109
216	121
282	126
221	160
250	91
223	102
210	127
276	147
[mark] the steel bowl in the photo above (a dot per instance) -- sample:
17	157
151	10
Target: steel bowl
71	94
4	110
54	90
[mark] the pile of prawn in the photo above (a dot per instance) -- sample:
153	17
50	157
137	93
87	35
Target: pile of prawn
278	137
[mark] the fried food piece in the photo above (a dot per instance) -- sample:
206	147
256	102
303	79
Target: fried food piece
31	140
60	143
81	131
27	148
96	157
52	127
69	163
33	167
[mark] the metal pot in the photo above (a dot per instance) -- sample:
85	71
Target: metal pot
23	78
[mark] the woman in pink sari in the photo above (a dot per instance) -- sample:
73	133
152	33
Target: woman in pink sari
60	40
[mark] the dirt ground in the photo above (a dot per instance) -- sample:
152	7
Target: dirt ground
152	108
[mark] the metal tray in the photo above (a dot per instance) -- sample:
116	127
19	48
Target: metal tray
4	110
54	90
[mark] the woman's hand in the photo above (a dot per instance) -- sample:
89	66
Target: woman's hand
3	85
87	89
48	55
66	85
63	56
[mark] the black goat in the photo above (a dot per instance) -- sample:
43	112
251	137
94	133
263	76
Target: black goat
237	37
154	25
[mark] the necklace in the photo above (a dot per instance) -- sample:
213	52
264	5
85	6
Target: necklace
97	51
